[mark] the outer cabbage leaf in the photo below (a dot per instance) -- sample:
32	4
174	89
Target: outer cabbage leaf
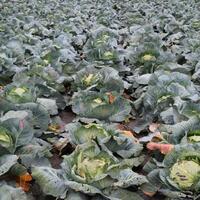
76	196
180	132
49	104
49	180
8	192
184	130
20	114
6	162
122	194
35	150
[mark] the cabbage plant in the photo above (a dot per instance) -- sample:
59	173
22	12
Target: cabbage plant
179	175
101	46
17	138
166	94
31	89
14	134
145	51
92	170
102	106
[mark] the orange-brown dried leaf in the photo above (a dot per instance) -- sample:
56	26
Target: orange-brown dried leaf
123	127
127	133
150	194
131	135
23	181
111	97
163	148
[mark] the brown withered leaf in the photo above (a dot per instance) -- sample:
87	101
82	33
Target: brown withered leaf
23	181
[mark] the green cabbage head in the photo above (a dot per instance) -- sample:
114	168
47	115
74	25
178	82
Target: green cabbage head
19	95
194	136
185	173
91	169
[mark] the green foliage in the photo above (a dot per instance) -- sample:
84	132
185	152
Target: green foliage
129	62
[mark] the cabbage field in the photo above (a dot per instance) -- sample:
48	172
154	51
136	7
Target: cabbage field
99	100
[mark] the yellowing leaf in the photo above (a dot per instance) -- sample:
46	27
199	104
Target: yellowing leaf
54	128
98	100
19	91
148	57
88	79
5	138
